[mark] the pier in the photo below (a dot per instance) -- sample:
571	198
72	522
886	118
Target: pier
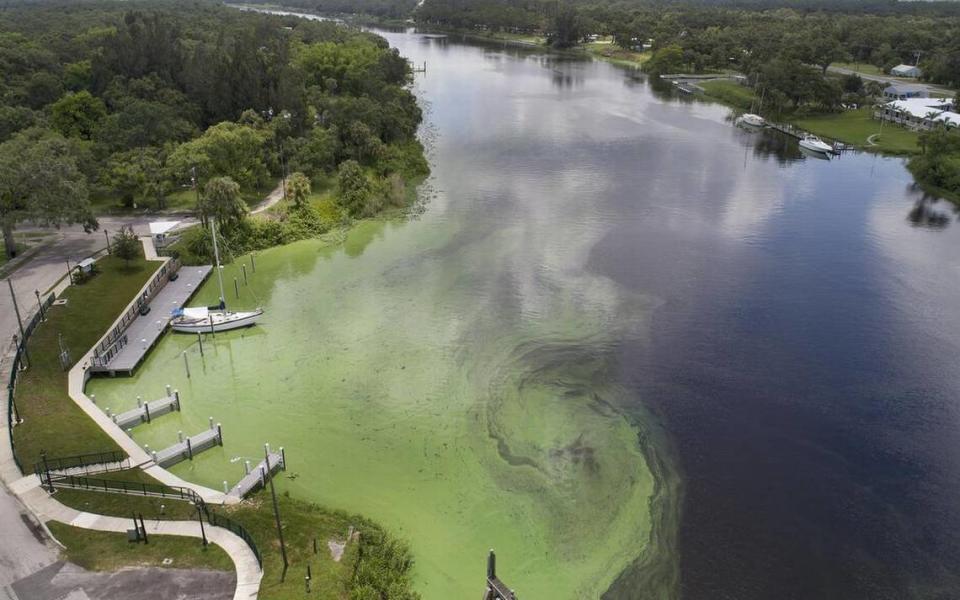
496	589
187	448
256	477
147	411
146	320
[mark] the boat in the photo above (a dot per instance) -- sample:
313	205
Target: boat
753	120
217	318
815	144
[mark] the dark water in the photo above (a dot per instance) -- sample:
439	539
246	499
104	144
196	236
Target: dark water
802	359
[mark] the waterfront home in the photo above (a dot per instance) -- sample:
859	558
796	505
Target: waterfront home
920	113
912	71
903	91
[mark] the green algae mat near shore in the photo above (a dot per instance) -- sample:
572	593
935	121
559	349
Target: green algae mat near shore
410	381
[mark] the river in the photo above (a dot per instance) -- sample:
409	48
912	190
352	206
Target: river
639	351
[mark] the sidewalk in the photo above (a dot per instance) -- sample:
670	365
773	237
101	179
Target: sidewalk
48	509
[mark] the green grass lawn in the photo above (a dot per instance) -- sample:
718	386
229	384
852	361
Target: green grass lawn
615	54
855	126
107	551
183	199
123	505
865	68
52	421
729	92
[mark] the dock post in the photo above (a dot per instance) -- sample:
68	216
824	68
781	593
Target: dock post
236	287
109	414
146	409
168	391
212	331
219	434
266	453
139	402
186	363
180	436
154	455
244	267
246	466
189	449
263	479
93	398
210	420
200	341
226	488
114	419
253	263
176	397
283	459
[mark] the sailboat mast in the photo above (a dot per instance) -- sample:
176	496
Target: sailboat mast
216	254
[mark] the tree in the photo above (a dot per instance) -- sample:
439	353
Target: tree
222	202
567	27
355	188
665	60
224	150
77	114
298	189
126	245
40	182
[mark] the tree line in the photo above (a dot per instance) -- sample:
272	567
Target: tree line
136	101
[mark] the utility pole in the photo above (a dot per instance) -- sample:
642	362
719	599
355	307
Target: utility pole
276	514
16	309
106	235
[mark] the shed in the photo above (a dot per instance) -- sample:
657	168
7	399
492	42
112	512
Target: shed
85	265
906	71
903	91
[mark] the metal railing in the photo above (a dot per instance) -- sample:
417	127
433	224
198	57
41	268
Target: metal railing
111	343
12	414
106	458
238	529
157	490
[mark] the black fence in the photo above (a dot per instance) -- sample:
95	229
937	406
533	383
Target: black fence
228	523
12	415
94	459
160	490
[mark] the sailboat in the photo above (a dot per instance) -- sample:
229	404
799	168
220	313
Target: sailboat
753	119
213	319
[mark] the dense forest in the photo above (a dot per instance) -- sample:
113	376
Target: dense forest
136	103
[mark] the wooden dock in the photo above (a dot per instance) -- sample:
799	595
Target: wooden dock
128	344
147	411
256	477
187	448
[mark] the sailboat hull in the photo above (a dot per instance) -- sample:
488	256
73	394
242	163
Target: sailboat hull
216	322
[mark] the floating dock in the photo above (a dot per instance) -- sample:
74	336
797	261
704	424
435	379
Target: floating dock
188	447
147	411
256	477
129	347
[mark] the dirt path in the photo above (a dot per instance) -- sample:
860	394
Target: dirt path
272	198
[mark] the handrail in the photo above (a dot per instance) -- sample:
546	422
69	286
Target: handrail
15	369
115	339
61	463
52	480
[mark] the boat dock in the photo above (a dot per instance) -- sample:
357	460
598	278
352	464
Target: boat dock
256	477
137	332
188	447
146	411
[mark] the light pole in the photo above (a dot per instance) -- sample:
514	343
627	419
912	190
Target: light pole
43	316
16	309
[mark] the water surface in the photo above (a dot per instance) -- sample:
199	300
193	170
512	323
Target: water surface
610	288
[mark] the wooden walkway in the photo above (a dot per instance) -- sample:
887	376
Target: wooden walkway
257	476
129	346
187	448
146	411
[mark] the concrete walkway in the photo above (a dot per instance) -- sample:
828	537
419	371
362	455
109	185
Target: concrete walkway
47	509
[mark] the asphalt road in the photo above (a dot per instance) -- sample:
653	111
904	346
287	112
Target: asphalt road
887	79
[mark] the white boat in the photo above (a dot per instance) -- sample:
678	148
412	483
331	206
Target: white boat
212	320
753	120
815	144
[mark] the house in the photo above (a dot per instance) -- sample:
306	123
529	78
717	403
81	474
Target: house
920	113
906	71
903	91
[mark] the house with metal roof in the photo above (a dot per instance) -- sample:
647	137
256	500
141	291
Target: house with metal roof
903	91
906	71
920	113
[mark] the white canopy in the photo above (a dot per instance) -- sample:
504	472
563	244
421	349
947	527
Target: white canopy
162	227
